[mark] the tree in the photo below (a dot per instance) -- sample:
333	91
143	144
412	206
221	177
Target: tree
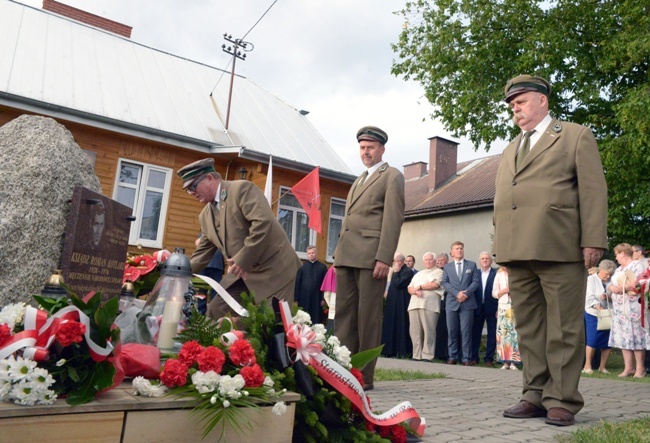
596	54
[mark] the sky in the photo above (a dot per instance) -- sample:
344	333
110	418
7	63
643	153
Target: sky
331	58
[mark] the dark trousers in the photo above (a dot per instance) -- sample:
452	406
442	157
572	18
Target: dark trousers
477	332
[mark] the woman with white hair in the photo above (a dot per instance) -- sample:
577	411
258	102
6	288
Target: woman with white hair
424	308
595	301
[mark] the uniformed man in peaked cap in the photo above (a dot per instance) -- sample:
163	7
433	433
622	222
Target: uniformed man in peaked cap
238	221
550	226
374	215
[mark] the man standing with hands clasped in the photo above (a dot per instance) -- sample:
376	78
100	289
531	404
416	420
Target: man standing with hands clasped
374	213
550	220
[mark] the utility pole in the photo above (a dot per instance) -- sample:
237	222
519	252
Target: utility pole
236	54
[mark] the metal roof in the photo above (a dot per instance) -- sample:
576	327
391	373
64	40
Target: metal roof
473	186
59	67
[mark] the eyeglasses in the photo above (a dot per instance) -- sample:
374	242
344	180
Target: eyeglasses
191	189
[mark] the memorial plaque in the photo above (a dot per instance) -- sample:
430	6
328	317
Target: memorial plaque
95	245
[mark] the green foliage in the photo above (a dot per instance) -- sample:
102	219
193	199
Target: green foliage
629	431
201	329
595	55
360	359
80	378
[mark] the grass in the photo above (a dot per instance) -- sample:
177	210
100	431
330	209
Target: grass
382	374
633	431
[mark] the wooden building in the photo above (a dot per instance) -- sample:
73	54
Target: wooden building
141	114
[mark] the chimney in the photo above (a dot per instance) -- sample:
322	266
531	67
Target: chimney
415	170
87	18
443	155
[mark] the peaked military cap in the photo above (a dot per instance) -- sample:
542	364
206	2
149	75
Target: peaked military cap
372	133
195	170
526	83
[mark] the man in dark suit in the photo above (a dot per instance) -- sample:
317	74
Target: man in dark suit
461	281
369	235
550	226
238	220
308	282
485	313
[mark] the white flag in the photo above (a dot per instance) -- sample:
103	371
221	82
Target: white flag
268	189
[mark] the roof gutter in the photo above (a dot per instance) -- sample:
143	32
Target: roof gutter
421	213
293	165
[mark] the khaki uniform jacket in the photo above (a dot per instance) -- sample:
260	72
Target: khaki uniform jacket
373	220
246	230
556	204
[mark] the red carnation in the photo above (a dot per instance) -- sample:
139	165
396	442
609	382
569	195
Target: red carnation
70	332
190	352
212	359
371	427
253	376
241	353
357	374
174	373
384	431
5	333
398	434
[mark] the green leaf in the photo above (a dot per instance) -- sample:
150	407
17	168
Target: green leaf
104	318
360	359
101	377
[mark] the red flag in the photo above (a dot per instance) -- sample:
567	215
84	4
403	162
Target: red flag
307	192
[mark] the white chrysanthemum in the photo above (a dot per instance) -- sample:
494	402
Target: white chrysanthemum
280	408
302	318
145	388
24	393
12	314
343	355
5	389
320	331
20	368
41	379
268	382
333	340
47	398
4	368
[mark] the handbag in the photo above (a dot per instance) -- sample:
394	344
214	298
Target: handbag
604	318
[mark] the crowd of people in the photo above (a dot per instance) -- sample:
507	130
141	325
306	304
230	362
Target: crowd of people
547	234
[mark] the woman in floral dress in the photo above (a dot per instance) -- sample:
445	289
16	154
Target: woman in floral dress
627	331
507	342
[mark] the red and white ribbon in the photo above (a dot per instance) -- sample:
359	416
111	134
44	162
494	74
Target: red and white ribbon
40	331
234	305
344	382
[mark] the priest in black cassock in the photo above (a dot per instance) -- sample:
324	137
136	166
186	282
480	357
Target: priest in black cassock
308	282
395	329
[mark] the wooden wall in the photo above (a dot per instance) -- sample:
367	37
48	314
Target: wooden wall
181	226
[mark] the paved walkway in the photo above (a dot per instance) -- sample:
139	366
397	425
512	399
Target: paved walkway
468	404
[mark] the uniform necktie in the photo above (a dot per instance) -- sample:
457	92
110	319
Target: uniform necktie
361	181
459	269
524	149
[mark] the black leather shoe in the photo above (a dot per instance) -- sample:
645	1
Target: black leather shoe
524	409
368	387
560	417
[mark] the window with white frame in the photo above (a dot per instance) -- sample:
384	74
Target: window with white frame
337	212
145	189
295	222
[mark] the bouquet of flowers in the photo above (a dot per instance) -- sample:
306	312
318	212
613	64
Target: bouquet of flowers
62	349
219	369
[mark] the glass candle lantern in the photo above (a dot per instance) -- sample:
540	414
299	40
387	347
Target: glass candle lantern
161	318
